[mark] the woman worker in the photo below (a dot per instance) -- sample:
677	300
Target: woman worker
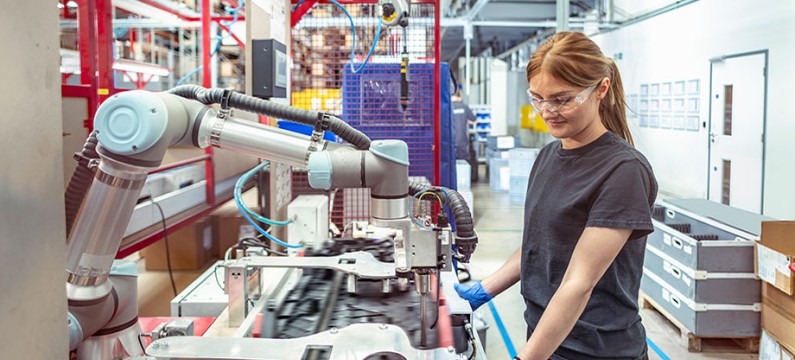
587	214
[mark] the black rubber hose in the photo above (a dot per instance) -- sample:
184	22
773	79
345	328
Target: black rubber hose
281	111
466	238
80	181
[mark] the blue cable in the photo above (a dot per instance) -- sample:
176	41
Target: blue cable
238	193
240	182
446	195
657	349
503	332
353	45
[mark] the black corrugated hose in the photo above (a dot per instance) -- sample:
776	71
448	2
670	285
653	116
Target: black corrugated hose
466	239
80	181
269	108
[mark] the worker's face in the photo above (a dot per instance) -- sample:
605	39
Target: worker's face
570	112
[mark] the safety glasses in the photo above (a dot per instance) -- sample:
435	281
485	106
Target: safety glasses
560	104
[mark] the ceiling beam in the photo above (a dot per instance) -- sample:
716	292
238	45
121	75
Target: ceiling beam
457	22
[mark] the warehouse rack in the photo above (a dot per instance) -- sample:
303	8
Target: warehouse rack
96	84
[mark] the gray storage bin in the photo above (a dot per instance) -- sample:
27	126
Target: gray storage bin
701	243
702	286
702	319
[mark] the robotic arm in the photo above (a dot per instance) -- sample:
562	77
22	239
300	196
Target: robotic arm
134	130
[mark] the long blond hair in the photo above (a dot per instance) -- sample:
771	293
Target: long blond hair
574	58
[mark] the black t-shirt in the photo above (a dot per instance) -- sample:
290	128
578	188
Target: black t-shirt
606	183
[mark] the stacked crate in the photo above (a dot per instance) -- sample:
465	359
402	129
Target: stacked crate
699	271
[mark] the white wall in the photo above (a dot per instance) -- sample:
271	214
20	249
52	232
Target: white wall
678	45
32	229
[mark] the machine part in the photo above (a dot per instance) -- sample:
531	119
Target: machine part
351	283
107	323
264	107
359	263
386	286
81	179
383	169
422	280
465	237
177	327
423	250
394	12
121	344
266	141
270	68
404	76
136	127
310	225
131	124
236	285
92	249
345	343
75	332
388	208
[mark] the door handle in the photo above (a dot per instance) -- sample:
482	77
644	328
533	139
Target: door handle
712	137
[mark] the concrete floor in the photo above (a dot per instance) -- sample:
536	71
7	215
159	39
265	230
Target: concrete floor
499	226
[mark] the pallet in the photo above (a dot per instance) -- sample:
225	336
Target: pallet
692	342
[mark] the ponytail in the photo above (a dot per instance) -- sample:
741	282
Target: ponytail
612	109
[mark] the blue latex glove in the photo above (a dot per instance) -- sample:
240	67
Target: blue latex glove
475	294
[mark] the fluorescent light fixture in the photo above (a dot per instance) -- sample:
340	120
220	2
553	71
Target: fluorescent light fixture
138	67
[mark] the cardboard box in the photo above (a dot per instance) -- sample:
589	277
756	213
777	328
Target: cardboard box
191	247
774	255
229	225
778	316
769	348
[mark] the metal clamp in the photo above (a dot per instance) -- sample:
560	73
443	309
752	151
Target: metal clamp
321	126
225	112
218	127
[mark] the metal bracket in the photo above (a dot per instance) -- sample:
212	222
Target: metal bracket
360	263
345	343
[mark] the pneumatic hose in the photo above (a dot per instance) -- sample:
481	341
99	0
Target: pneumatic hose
281	111
80	181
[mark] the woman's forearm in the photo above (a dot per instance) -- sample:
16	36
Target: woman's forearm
506	276
559	318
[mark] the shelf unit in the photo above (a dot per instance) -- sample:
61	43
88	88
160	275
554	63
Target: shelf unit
94	47
481	129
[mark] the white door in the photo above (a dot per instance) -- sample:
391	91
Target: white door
736	132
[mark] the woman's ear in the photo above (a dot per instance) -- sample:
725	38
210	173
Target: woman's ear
604	86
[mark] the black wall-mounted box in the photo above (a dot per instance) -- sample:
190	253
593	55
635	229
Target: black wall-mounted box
270	69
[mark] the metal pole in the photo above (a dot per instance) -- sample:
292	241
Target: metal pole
468	34
437	98
209	173
562	15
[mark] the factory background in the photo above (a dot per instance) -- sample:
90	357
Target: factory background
707	85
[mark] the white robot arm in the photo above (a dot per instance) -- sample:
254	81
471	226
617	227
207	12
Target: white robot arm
135	128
